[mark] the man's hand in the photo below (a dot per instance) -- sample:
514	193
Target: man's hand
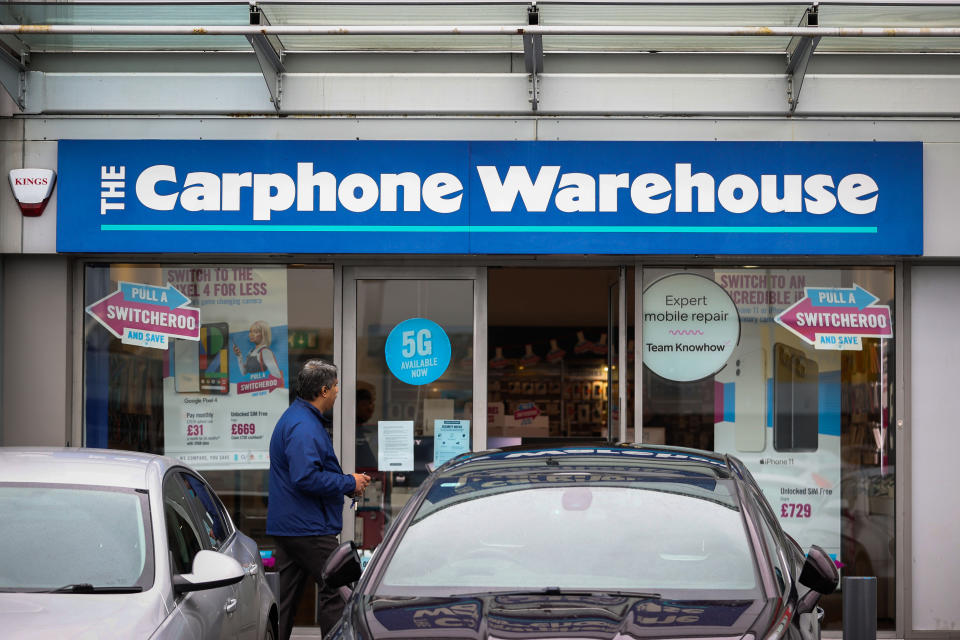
362	481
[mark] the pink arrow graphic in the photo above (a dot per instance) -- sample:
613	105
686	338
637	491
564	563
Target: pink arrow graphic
807	320
526	413
117	314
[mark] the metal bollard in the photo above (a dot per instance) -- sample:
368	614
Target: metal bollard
859	608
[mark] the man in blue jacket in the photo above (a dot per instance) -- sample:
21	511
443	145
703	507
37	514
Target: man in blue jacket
307	489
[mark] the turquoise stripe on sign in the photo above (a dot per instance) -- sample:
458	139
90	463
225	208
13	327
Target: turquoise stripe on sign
380	228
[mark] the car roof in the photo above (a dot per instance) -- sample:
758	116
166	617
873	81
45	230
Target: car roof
79	466
649	455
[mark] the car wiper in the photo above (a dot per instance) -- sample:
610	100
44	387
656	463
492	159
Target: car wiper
86	587
557	591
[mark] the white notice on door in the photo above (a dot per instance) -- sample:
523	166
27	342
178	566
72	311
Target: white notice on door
395	445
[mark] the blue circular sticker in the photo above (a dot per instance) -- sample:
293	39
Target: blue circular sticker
418	351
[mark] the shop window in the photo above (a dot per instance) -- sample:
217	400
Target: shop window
792	371
197	361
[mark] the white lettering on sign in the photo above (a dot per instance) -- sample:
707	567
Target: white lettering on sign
271	192
112	183
159	187
651	193
152	317
858	320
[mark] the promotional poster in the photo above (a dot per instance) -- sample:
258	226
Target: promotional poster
777	406
224	393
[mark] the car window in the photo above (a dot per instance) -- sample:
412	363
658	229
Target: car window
183	532
205	505
59	535
576	530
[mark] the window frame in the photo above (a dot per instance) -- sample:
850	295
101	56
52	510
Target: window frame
225	522
171	479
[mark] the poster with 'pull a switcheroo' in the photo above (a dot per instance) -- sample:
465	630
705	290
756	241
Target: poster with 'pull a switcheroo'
224	393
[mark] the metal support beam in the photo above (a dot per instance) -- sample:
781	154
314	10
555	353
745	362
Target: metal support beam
477	30
12	75
269	52
934	95
533	55
799	52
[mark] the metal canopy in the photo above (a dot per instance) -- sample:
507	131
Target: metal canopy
571	25
275	29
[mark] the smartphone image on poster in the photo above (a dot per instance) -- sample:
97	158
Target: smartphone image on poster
186	366
213	363
796	414
806	405
750	420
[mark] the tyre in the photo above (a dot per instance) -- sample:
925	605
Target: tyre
269	634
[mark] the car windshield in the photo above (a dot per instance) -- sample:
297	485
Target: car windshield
74	538
662	530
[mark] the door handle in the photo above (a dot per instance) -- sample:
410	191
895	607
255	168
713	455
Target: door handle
231	605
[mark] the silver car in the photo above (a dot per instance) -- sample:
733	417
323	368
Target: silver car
111	544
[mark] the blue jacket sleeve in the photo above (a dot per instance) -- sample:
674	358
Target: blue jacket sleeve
306	455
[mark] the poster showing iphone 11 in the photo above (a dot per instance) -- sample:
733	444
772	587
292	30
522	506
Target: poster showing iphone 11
796	391
745	379
750	424
749	373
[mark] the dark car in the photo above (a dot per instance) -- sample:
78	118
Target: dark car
625	541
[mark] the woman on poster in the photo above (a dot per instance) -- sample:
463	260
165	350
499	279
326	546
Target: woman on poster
260	358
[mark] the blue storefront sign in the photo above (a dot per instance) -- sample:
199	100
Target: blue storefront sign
459	197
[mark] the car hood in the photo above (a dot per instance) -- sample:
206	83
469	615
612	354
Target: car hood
80	615
555	616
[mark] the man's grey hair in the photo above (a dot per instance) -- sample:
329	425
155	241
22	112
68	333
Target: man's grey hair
313	377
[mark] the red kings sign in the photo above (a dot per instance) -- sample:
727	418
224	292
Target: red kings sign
32	189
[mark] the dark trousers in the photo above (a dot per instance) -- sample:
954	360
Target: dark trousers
299	560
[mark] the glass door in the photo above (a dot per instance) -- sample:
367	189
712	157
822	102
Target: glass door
409	381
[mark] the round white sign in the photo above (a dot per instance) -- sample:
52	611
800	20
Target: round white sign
690	327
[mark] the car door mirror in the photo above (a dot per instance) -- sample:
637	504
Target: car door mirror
819	571
820	575
210	570
343	566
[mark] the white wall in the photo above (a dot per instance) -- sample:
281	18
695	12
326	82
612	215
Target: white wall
935	441
37	347
11	157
